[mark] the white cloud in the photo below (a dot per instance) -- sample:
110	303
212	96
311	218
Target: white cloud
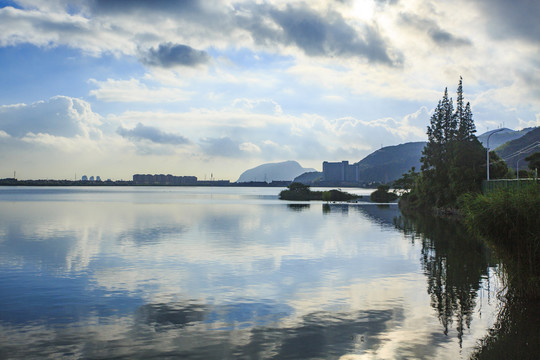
59	116
134	91
247	82
233	133
249	147
52	27
529	123
258	105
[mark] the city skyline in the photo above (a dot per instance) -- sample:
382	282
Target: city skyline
218	87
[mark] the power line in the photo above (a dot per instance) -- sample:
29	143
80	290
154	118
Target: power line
526	149
519	152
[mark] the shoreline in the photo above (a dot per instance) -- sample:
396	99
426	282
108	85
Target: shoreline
219	183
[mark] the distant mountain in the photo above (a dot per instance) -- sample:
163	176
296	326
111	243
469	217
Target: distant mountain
520	148
286	170
309	177
501	136
389	163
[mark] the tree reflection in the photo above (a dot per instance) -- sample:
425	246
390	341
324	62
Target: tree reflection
298	207
455	264
515	335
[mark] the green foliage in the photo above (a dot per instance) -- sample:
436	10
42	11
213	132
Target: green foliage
299	191
509	220
497	167
298	187
453	160
381	195
337	195
407	180
534	161
327	196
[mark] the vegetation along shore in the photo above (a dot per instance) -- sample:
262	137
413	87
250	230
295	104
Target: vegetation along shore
299	191
454	164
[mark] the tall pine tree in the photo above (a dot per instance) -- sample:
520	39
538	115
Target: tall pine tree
463	117
453	158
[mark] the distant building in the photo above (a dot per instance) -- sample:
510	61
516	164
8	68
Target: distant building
91	178
160	179
340	172
84	178
98	178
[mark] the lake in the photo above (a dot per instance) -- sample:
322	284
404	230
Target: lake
233	273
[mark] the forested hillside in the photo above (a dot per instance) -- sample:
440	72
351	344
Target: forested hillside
520	148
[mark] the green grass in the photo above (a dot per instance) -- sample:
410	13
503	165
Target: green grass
509	220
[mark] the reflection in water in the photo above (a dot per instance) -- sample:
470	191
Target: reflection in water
455	264
516	334
316	335
298	207
212	274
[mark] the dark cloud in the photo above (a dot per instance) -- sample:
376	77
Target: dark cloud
518	18
383	3
440	36
170	55
223	146
325	34
316	34
142	132
130	6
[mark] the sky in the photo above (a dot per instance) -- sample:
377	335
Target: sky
113	88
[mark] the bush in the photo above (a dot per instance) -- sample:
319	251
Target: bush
509	220
381	195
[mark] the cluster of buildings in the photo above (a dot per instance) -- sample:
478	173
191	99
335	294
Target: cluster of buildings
160	179
334	173
341	172
91	178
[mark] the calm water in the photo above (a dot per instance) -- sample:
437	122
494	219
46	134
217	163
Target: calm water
233	273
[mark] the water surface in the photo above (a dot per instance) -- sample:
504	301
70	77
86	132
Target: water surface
232	273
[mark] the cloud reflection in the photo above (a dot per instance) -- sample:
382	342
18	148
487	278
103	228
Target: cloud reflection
215	280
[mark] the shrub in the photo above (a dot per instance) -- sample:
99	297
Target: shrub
509	220
381	195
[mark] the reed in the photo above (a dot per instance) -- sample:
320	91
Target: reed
509	220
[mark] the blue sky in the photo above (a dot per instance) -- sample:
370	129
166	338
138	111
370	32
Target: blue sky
113	88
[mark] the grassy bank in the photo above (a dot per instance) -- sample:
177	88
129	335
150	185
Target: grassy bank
509	220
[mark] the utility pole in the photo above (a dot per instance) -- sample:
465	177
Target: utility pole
487	150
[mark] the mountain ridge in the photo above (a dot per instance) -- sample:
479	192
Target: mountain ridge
389	163
510	151
280	171
502	136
